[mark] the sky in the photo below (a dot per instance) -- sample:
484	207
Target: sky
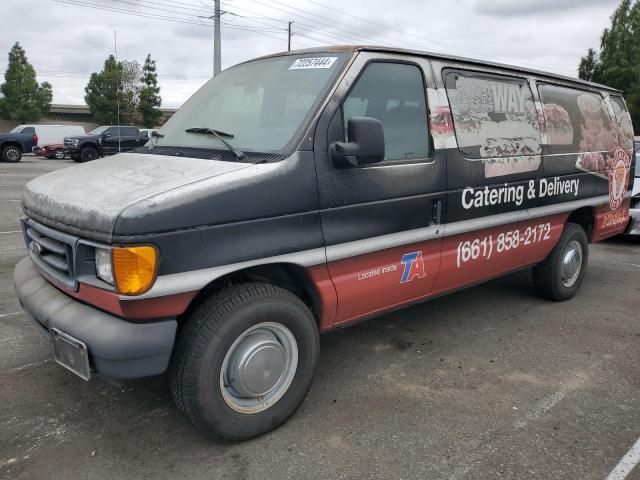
66	40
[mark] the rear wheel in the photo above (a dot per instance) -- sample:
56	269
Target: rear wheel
88	154
11	154
560	275
244	361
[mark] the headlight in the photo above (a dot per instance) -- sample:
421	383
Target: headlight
132	270
74	142
104	268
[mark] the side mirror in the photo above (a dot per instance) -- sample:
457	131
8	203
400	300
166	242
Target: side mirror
106	135
366	145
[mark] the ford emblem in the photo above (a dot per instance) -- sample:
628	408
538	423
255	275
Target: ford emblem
36	248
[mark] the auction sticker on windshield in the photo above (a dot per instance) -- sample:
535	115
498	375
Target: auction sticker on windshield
314	62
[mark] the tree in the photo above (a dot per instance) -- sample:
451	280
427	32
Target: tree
117	85
617	63
23	99
150	95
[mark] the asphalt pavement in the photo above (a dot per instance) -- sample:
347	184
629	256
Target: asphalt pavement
490	382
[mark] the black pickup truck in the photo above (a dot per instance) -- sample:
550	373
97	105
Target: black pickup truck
19	140
102	141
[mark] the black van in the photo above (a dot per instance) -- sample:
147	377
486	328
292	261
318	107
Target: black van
304	191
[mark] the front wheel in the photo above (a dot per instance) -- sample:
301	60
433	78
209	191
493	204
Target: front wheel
88	154
11	154
560	275
244	361
59	154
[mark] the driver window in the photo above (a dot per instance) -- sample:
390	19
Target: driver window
394	93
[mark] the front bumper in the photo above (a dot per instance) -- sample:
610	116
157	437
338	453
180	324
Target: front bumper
71	151
117	348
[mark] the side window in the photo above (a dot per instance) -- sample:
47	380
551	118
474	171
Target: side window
394	93
129	132
113	131
493	116
576	122
623	125
28	130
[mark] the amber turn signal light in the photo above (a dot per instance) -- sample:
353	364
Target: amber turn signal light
134	268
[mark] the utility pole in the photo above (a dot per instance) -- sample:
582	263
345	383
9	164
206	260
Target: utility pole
115	48
217	61
289	37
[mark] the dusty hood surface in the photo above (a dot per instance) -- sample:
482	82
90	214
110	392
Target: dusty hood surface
87	199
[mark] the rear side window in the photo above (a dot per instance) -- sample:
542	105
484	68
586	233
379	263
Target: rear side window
576	121
394	93
28	130
129	132
623	125
493	116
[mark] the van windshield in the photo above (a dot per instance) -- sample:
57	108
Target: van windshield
262	105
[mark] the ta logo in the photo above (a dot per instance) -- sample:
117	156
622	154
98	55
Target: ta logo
413	266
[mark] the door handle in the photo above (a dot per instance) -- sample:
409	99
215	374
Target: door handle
436	211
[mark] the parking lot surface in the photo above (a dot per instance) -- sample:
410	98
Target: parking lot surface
490	382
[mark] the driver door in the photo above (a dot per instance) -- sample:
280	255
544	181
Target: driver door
382	221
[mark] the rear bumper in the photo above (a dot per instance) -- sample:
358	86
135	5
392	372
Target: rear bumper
117	348
634	221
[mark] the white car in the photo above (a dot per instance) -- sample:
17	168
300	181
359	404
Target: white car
634	223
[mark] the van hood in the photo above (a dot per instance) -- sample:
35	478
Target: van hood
88	199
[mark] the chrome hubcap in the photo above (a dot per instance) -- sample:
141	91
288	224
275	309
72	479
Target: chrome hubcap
571	263
259	367
12	154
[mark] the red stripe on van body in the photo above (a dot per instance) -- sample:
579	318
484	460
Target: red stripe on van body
371	284
483	254
609	223
134	309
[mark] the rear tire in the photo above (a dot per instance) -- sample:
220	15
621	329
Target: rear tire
244	361
560	275
11	154
88	154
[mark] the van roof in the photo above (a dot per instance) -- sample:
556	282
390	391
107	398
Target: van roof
444	56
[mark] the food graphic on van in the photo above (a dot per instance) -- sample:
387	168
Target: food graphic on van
590	106
559	129
619	178
441	126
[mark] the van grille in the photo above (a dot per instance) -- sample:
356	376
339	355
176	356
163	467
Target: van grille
51	251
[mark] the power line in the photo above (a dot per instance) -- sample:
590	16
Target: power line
137	13
323	41
475	53
348	34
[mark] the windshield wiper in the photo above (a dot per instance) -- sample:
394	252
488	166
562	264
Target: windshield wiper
219	134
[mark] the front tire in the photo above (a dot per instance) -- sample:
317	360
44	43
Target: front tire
560	275
11	154
88	154
59	155
244	361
